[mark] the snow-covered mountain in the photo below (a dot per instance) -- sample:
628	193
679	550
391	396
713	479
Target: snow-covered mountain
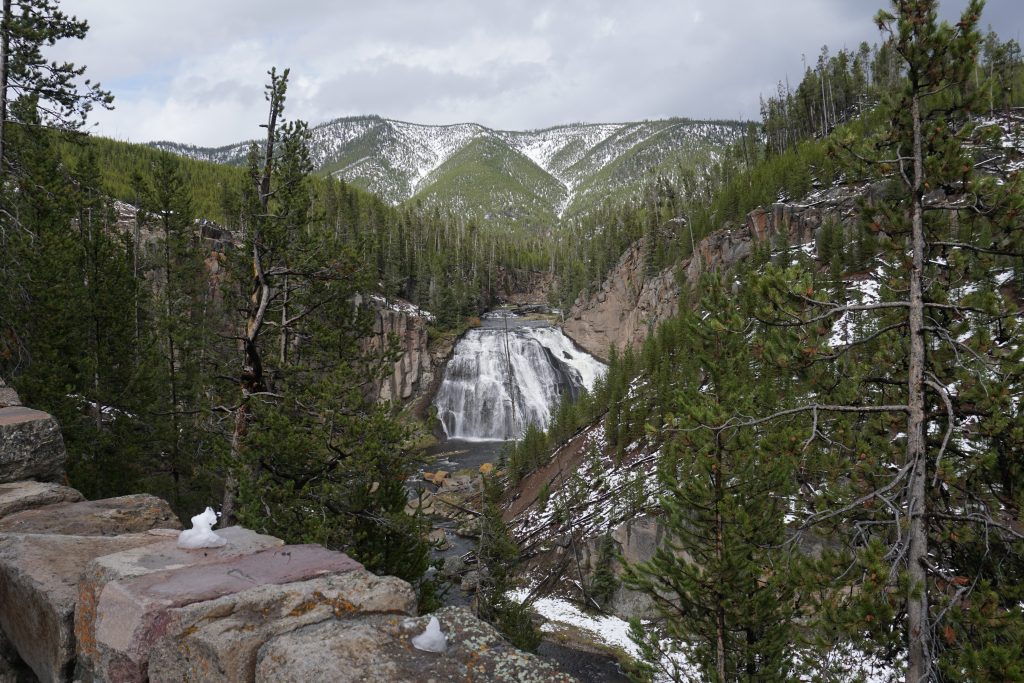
534	176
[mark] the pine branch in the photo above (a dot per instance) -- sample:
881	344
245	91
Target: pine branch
979	250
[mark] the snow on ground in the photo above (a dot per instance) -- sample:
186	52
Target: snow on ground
570	192
635	386
1004	276
613	632
1011	139
607	630
599	495
329	139
403	306
861	291
852	665
425	148
107	411
799	251
543	146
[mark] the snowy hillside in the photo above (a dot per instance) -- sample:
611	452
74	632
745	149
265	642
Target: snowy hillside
575	165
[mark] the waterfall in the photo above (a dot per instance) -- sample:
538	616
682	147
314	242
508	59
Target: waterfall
477	401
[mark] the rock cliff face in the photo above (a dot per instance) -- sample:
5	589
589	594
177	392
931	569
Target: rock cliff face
626	309
629	306
100	591
31	445
414	371
636	540
417	373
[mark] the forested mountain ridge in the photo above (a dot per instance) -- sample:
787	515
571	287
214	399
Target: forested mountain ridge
536	176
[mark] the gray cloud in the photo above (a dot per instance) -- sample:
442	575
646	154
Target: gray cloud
193	70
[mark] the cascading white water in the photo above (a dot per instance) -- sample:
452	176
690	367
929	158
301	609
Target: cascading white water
477	400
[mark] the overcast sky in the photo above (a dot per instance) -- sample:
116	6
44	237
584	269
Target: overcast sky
193	70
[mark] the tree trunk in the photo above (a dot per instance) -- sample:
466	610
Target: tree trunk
229	508
918	662
172	368
5	49
284	320
719	559
136	234
251	380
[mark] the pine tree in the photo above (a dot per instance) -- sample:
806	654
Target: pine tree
919	404
182	316
68	336
312	457
262	264
57	99
498	555
718	579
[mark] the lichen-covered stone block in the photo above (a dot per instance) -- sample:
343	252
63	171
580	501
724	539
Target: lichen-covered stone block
161	556
377	648
218	641
39	577
8	396
31	446
133	614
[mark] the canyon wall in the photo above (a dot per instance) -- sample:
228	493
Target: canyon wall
628	305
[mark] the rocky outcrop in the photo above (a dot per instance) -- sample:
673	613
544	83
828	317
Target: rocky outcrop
99	591
8	396
635	541
378	649
31	446
417	374
110	517
414	370
25	495
628	306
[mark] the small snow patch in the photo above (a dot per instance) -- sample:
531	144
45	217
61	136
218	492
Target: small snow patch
201	534
432	639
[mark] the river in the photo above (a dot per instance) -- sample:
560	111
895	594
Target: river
509	372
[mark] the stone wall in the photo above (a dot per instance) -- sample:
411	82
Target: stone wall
100	591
